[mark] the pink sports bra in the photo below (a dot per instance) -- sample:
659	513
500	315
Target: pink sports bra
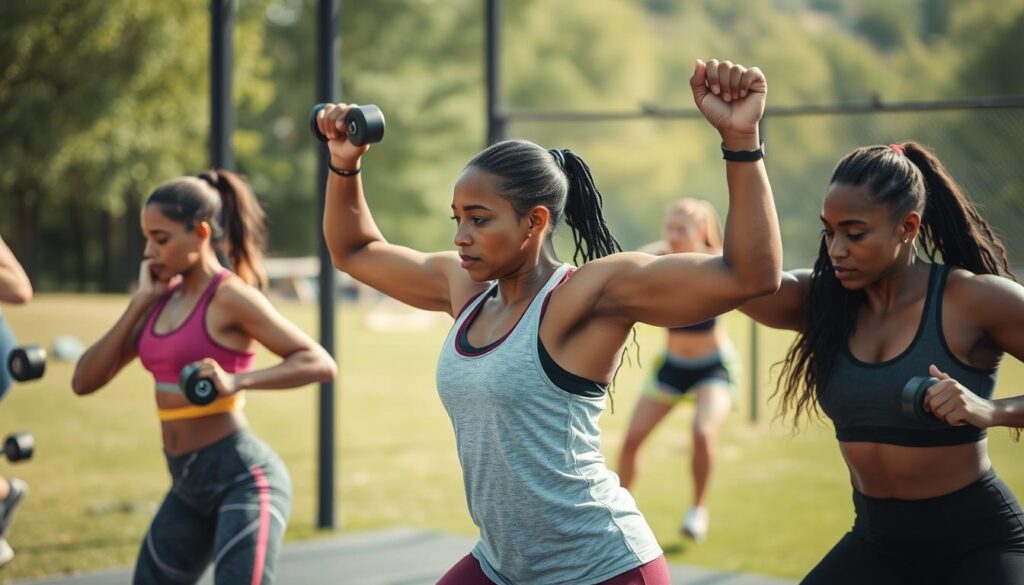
165	354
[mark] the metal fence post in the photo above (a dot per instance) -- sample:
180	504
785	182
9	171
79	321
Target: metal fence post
327	64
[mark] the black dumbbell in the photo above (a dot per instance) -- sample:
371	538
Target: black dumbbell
27	362
365	124
912	400
198	390
19	447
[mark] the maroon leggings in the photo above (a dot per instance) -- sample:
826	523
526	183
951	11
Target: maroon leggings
468	572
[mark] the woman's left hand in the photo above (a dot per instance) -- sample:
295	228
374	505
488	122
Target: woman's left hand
956	405
223	381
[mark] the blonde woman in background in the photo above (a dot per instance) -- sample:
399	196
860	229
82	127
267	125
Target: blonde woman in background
698	361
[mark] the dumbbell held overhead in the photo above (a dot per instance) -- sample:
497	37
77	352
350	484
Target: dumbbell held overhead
27	362
365	124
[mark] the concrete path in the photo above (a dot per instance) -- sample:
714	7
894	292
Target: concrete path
386	557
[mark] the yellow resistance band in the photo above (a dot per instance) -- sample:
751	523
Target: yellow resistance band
229	404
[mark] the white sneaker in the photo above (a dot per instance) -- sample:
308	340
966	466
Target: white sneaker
695	524
6	552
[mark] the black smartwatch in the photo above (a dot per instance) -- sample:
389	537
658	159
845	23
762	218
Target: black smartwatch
743	155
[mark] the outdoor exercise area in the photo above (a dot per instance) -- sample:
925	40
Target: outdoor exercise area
485	292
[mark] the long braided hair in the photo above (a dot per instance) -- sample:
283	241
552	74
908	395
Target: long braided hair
902	177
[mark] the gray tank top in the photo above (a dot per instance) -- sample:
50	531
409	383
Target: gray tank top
548	508
864	399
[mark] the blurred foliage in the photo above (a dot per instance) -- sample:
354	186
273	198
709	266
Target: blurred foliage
101	100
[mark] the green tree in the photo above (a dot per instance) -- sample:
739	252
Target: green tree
106	99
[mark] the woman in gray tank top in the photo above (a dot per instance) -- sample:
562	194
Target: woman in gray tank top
524	371
873	314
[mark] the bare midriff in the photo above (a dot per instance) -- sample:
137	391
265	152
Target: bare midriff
695	344
188	435
879	470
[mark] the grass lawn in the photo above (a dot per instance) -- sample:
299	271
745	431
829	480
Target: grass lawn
778	501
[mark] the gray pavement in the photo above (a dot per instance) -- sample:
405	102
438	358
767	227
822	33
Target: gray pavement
386	557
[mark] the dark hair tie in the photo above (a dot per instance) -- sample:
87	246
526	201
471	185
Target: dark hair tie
559	157
210	178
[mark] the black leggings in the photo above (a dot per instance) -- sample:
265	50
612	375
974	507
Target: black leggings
229	505
972	536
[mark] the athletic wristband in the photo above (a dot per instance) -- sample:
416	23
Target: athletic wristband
343	172
743	155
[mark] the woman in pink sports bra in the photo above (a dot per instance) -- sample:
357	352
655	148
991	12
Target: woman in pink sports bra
231	495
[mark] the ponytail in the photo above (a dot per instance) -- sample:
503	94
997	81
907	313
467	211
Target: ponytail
583	210
951	223
225	202
243	224
556	179
954	227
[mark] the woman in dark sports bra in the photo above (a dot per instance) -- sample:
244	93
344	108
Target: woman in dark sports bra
699	361
871	315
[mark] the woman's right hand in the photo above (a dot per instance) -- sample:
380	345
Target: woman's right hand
331	122
731	97
150	287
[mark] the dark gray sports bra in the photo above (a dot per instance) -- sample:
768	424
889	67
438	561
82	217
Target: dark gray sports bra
864	399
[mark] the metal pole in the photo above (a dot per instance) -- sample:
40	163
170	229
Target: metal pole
222	121
846	108
327	64
492	40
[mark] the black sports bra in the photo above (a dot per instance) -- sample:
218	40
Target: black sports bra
864	400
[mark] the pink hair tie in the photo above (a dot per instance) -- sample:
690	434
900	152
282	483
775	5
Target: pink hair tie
898	148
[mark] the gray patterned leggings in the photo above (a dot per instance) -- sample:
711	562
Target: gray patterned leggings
229	504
